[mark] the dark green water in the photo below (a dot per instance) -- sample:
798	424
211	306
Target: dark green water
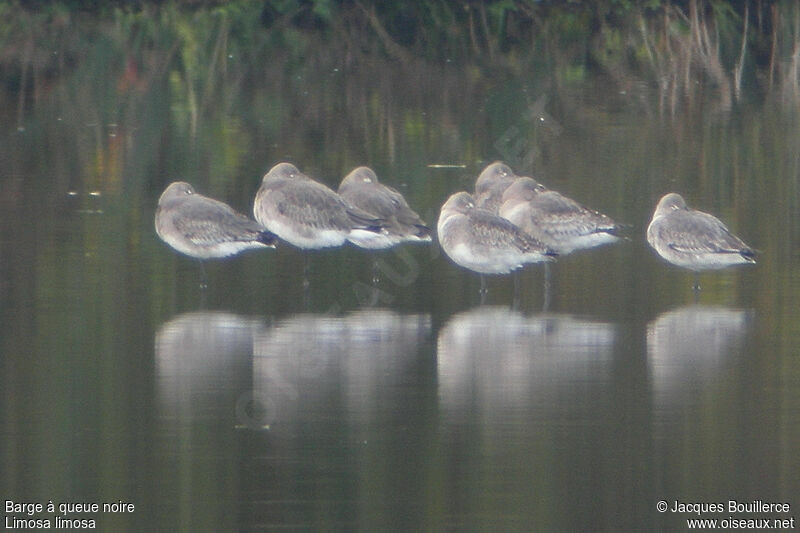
256	406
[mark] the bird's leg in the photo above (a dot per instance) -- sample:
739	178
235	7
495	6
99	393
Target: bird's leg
203	276
696	286
306	282
547	288
306	271
376	274
516	299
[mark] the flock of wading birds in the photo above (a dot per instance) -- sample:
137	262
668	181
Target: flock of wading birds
509	221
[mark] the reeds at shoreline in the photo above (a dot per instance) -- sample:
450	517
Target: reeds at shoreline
746	50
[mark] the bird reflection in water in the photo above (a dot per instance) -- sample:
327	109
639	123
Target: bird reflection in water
687	349
500	362
203	362
303	359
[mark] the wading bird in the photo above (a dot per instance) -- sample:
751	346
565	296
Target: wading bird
694	240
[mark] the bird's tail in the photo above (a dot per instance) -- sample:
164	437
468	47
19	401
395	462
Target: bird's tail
365	220
267	238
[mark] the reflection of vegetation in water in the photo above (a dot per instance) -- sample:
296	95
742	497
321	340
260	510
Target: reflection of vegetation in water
173	91
672	46
128	101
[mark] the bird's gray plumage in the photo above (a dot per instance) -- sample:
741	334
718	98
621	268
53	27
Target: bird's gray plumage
693	239
558	221
490	185
483	242
362	189
204	228
306	213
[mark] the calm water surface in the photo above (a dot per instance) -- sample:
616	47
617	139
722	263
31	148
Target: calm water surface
257	405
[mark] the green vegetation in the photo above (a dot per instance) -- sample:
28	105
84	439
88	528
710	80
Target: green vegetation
743	48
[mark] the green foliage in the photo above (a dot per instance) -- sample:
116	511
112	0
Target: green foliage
324	9
654	39
499	11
